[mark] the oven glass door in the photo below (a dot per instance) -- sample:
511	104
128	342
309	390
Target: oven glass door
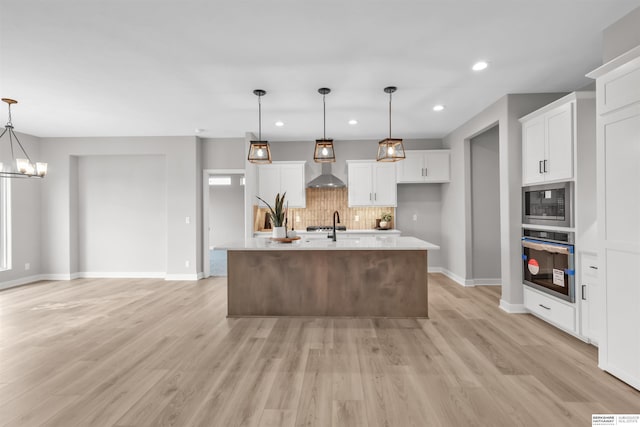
548	267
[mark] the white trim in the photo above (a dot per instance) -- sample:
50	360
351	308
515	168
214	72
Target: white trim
22	281
201	275
119	275
616	62
487	282
182	276
459	280
512	308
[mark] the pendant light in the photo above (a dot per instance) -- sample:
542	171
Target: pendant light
390	149
324	152
17	167
259	151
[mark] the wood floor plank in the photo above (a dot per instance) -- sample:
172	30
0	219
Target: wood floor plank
144	352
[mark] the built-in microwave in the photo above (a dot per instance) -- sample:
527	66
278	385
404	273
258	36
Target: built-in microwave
548	204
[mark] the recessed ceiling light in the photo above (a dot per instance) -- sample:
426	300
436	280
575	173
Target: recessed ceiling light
479	66
438	107
279	123
198	130
353	122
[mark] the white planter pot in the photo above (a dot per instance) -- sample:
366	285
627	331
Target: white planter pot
279	232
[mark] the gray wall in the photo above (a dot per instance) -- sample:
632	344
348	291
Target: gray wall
223	153
485	206
226	213
621	36
456	195
60	199
25	222
122	214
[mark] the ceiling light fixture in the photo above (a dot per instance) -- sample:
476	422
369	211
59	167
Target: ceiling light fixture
18	167
279	123
438	107
259	151
480	65
390	149
353	122
324	152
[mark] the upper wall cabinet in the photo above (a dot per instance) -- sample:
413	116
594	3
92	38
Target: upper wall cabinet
424	166
371	183
547	143
280	177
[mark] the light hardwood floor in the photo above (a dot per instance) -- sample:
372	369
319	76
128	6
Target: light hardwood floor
114	352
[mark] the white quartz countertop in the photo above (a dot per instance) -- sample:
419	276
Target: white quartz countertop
303	233
397	243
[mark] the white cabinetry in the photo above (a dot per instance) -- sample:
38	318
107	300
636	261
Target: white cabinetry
371	183
547	142
550	309
422	166
618	200
589	294
280	177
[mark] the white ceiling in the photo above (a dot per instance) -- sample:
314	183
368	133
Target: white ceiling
149	67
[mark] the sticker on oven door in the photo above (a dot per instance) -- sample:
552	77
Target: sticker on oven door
558	277
533	266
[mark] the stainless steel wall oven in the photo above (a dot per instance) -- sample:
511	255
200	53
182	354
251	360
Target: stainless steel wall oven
548	204
548	262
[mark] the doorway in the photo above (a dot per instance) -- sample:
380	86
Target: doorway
485	208
224	217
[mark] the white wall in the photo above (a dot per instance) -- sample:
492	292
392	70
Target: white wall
183	178
485	206
226	212
25	222
122	214
456	195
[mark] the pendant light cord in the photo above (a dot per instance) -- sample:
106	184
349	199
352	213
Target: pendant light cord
390	115
259	117
324	119
9	122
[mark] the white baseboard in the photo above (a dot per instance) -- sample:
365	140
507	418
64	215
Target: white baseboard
512	308
201	275
459	280
118	275
487	282
21	281
195	276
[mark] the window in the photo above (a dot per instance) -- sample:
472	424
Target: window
219	180
5	224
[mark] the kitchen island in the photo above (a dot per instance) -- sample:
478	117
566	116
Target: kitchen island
355	277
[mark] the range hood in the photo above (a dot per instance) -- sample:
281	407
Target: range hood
326	179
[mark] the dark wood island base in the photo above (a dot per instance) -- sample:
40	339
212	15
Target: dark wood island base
340	283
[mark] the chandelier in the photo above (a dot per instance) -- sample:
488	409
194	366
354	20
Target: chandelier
19	165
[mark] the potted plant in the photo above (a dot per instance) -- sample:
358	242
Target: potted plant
277	214
385	220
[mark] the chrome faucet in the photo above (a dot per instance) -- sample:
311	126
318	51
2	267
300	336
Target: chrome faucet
335	214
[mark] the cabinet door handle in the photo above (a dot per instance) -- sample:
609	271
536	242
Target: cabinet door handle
545	167
545	307
422	172
426	172
369	196
584	292
540	166
375	196
593	267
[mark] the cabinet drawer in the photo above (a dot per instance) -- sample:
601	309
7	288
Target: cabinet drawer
550	309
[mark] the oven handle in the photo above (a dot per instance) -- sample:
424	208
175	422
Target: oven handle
547	247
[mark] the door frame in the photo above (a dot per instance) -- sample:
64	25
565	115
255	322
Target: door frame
206	173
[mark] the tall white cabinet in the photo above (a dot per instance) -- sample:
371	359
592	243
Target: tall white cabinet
618	177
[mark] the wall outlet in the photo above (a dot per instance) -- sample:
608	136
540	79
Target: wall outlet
356	218
187	220
415	217
187	264
27	266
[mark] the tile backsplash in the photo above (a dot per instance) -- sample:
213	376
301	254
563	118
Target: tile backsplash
321	203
